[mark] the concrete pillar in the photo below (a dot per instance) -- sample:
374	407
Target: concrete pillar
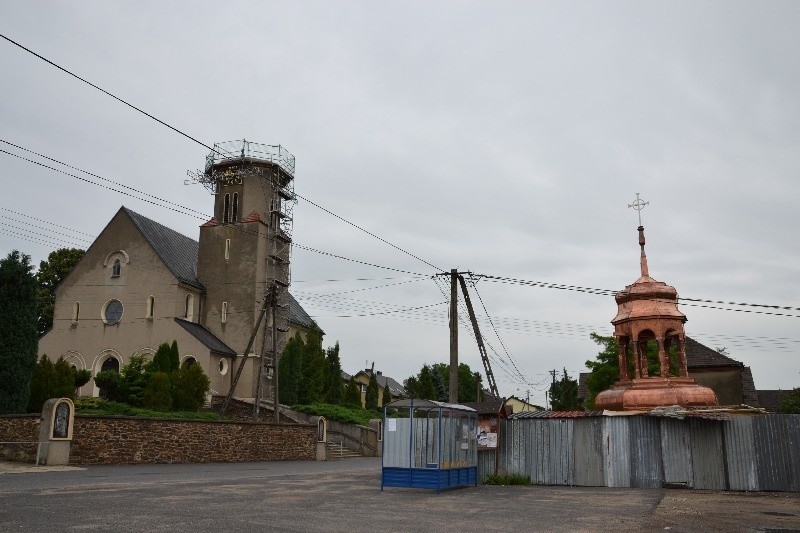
55	432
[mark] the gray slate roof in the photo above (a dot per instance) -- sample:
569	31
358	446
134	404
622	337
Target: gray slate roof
179	254
177	251
208	339
298	315
699	356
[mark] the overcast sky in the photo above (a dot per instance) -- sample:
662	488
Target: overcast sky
503	138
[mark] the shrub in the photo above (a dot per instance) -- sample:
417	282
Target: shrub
507	479
81	377
157	392
110	385
190	385
339	413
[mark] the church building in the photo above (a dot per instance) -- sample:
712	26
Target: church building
141	284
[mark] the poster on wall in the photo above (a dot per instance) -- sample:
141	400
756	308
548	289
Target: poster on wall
486	437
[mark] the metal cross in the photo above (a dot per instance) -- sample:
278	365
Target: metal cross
639	205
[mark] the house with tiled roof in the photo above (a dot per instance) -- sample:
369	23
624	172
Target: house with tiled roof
384	382
730	380
140	284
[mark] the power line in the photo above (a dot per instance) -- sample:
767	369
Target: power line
180	132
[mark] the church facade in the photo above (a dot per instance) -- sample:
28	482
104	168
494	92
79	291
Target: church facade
141	284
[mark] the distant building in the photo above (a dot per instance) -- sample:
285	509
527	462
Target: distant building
362	380
518	405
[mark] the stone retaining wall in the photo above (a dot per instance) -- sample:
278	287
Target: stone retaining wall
125	440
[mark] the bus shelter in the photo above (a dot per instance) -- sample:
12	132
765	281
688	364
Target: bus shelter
429	445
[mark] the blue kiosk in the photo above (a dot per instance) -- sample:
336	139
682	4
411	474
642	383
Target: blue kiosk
429	445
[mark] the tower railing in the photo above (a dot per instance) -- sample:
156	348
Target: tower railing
229	151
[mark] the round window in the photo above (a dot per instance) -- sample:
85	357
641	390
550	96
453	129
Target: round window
223	366
112	313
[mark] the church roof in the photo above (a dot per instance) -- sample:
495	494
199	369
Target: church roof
177	251
298	315
208	339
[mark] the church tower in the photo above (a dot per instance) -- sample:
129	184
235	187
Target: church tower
648	316
244	255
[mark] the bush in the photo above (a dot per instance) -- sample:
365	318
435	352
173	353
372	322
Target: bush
111	386
339	413
81	377
157	392
97	406
507	479
134	378
190	385
50	381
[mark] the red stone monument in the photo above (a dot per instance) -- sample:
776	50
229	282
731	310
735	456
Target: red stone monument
647	311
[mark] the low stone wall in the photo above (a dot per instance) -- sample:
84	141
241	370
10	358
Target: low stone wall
127	440
18	435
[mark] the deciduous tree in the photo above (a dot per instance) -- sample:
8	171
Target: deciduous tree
50	275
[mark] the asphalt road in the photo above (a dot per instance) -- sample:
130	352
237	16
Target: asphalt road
346	496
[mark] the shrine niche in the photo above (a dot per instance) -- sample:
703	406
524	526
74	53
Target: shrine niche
648	316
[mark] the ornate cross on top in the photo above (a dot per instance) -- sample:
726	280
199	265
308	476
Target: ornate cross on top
639	205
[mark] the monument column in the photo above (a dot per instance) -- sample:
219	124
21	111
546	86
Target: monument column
684	369
662	359
622	347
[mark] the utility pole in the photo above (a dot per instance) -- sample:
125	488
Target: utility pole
277	406
244	358
453	397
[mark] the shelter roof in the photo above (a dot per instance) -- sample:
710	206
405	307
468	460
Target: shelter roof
208	339
430	404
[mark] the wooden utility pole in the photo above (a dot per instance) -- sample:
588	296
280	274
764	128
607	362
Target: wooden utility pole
453	397
244	358
481	348
277	404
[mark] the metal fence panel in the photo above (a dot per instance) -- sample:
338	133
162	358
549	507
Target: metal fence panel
793	427
773	452
676	452
396	443
708	462
740	455
645	452
588	440
562	452
486	464
616	452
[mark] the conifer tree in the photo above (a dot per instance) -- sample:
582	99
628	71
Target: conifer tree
157	393
290	371
313	366
425	387
18	332
371	400
335	391
352	395
190	385
44	376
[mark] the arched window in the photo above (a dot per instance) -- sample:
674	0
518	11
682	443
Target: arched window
224	312
115	269
226	209
227	248
235	210
188	313
76	311
110	364
151	303
189	361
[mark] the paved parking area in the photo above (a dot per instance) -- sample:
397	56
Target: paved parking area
346	496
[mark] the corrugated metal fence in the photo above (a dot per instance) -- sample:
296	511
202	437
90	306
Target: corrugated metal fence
744	453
